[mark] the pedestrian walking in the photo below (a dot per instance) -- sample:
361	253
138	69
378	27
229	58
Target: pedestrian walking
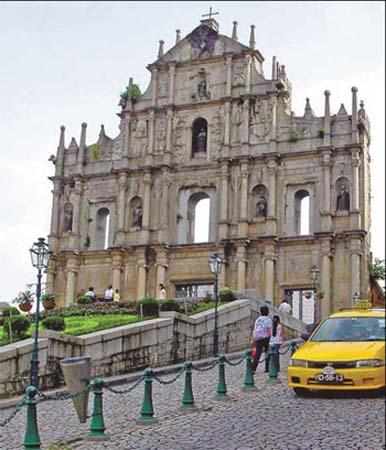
90	293
276	339
116	297
261	336
162	292
285	307
109	294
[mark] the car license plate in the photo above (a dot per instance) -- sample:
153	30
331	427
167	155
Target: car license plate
329	378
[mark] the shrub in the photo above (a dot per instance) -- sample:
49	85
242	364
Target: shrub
150	307
170	305
84	300
226	295
10	310
55	323
19	325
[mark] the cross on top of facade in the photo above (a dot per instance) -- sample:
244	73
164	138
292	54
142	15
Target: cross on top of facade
210	14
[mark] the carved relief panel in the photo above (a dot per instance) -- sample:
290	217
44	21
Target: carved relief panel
260	121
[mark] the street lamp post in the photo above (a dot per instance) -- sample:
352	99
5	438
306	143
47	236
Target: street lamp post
40	256
215	263
314	272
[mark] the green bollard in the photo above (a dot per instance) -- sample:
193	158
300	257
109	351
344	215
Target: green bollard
221	393
249	382
31	438
272	374
293	347
97	425
147	412
188	399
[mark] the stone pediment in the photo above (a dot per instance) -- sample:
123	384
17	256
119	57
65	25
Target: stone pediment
202	43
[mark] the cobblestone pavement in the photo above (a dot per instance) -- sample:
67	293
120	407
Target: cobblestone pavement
271	417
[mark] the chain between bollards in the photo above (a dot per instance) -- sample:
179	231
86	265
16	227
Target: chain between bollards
221	392
97	425
31	437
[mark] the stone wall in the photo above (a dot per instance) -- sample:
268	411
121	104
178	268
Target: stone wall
169	339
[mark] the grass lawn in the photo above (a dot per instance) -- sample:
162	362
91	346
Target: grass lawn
84	324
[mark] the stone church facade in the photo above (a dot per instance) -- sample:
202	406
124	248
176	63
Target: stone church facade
212	126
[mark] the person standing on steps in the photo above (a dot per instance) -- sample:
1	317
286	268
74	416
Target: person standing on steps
285	307
276	339
261	336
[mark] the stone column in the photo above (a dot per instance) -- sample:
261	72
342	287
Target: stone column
162	265
121	208
241	267
82	145
326	222
248	61
269	272
272	136
227	125
243	218
172	71
228	64
55	208
150	148
354	116
146	201
154	80
327	120
223	225
356	253
71	271
355	217
169	128
271	222
141	280
222	277
117	270
126	135
245	137
164	207
325	281
77	207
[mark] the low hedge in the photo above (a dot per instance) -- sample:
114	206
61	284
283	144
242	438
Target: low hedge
55	323
150	307
84	300
19	325
170	305
226	295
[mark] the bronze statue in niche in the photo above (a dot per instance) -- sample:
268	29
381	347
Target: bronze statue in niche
261	206
343	199
137	216
68	215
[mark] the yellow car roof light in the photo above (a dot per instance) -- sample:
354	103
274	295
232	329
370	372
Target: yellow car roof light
363	304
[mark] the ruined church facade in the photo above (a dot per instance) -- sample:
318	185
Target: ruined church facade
212	126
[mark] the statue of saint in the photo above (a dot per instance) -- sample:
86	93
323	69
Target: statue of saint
202	89
201	141
343	199
137	217
67	222
261	207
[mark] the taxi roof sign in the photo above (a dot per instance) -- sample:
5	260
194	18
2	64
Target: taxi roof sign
363	304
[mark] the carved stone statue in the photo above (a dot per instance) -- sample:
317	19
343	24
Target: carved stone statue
261	207
201	141
137	217
343	199
237	120
67	222
202	89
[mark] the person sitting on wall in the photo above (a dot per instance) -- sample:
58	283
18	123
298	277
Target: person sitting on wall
162	292
116	296
90	293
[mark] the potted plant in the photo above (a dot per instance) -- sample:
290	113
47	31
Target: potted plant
48	301
24	300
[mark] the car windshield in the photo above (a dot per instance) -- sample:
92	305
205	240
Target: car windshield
351	329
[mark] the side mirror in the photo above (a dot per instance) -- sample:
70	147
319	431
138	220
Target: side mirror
305	336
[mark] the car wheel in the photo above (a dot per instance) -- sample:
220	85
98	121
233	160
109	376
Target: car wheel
301	392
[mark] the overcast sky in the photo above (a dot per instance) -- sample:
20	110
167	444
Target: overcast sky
67	62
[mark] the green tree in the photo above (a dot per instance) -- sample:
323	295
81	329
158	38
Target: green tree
377	269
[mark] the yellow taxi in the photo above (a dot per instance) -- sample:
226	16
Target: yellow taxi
345	352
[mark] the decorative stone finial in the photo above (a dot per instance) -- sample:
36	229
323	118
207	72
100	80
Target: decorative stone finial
62	127
354	89
82	141
84	125
252	41
362	104
234	31
102	132
327	93
161	49
308	113
61	138
178	36
274	67
283	73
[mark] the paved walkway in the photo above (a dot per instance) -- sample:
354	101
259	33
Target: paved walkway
270	418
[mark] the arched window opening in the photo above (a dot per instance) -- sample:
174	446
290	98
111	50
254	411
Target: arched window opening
302	213
201	220
199	136
102	228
